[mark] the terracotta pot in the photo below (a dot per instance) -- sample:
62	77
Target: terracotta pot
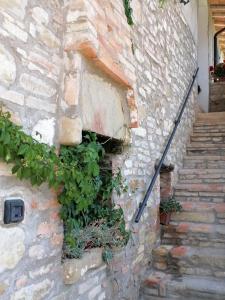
165	218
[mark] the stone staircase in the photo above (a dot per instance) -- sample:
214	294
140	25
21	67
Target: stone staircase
190	263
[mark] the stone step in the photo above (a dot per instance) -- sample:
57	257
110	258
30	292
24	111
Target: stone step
184	193
211	118
209	124
158	285
205	197
205	149
201	187
198	145
204	162
208	134
203	206
201	212
201	176
206	125
212	138
208	128
190	260
194	234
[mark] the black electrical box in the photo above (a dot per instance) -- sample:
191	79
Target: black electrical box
13	211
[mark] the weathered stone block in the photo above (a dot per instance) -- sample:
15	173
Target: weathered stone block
94	292
87	285
47	37
41	271
12	247
12	96
36	86
5	170
70	131
194	217
15	31
103	103
37	252
8	66
40	15
3	288
37	291
16	6
74	269
38	104
72	87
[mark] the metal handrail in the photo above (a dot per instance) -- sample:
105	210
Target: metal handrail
157	171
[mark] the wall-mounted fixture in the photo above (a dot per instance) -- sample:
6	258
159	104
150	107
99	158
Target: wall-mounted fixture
13	210
184	1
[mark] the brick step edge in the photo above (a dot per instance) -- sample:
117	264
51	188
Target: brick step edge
165	286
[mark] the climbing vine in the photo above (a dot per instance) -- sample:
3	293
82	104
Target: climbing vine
90	220
128	11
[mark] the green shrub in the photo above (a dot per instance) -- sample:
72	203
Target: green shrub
219	70
107	233
170	205
85	190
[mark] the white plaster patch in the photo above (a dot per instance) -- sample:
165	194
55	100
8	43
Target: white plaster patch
44	131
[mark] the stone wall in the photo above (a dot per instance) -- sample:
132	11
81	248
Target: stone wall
217	97
49	49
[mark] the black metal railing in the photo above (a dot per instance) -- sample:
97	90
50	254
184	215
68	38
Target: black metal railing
157	170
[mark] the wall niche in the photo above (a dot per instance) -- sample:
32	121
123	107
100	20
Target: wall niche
103	103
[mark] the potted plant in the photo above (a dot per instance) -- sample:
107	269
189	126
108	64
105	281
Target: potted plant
219	72
167	207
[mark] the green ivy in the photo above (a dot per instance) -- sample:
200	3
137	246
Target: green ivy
128	11
85	188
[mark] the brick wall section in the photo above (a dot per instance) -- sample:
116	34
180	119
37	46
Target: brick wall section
166	189
42	43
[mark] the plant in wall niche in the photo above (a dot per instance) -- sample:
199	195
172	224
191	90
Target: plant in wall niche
89	217
128	11
167	207
107	232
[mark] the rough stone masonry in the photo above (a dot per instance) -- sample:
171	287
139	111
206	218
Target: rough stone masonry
73	65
